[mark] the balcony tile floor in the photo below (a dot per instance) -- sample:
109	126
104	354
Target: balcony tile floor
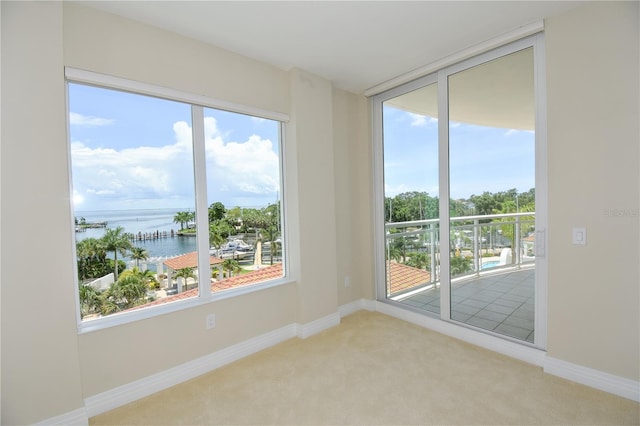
502	302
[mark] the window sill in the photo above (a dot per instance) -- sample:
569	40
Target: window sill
117	319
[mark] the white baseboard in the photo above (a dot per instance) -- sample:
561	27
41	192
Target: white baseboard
133	391
514	350
355	306
597	379
77	417
321	324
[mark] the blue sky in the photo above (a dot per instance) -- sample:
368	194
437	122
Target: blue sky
481	158
134	152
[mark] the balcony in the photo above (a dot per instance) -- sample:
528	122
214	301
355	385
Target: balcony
492	270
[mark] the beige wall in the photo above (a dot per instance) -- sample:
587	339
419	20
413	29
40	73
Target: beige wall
40	358
47	368
593	139
105	43
353	177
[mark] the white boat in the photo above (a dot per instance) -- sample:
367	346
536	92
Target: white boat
235	248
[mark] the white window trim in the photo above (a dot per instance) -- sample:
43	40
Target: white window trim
197	102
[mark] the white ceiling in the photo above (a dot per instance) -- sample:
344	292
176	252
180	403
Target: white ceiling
354	44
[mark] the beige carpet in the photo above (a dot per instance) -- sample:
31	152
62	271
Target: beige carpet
376	370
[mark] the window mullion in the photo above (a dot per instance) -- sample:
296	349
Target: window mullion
443	160
202	210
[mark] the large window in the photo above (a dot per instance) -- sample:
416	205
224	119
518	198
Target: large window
460	231
173	200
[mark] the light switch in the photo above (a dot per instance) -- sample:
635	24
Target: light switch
580	236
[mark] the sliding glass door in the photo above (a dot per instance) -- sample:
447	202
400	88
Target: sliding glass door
411	198
458	191
491	196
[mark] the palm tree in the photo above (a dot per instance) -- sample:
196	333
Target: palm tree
89	300
271	235
459	265
231	266
91	255
183	218
117	241
147	277
418	260
215	235
138	254
127	292
185	273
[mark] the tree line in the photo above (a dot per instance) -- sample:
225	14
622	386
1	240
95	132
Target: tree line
415	205
223	223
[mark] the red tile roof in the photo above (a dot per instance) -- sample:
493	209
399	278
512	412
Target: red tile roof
263	274
189	260
253	277
402	277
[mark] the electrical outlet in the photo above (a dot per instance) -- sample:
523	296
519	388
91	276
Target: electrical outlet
211	321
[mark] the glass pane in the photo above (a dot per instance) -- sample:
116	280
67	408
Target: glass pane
410	132
492	195
132	170
243	185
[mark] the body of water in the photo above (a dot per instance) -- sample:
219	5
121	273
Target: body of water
145	222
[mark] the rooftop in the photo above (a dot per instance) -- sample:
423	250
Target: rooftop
189	260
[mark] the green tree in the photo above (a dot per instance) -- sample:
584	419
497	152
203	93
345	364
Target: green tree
271	235
460	265
419	260
397	248
216	234
184	218
127	292
216	211
147	277
410	206
90	300
117	241
234	218
484	204
91	256
231	266
185	273
138	254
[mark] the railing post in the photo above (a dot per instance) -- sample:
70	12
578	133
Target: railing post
476	246
516	237
432	251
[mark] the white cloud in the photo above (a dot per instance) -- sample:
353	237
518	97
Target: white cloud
250	166
88	121
511	132
143	176
418	120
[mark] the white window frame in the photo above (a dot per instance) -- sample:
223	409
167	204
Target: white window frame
197	103
439	76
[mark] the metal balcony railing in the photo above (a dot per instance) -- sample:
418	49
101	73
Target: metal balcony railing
477	244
